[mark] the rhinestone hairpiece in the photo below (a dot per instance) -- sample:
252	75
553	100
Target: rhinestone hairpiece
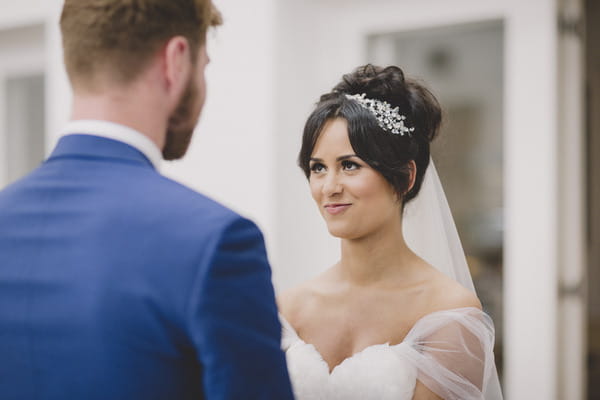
387	117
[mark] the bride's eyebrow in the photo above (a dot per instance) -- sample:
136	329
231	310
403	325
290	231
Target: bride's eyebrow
340	158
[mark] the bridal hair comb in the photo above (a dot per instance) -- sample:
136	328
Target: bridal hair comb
388	118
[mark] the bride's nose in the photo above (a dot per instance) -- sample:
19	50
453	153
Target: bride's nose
332	185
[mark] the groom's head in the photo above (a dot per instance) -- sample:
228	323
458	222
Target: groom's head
110	43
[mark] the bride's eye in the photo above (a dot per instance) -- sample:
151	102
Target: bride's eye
350	165
317	168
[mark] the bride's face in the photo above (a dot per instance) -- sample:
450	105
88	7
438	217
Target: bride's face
354	199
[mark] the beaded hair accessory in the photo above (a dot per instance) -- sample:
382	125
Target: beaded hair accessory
388	118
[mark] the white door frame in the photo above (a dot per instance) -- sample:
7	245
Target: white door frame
572	207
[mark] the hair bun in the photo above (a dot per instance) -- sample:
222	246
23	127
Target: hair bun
414	100
375	82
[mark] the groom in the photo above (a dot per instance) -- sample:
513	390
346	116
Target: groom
116	282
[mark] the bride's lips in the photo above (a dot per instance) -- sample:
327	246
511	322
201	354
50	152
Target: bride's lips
337	208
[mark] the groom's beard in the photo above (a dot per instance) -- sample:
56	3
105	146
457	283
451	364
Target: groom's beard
181	124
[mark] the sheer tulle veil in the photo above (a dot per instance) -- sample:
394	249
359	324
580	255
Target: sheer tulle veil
430	232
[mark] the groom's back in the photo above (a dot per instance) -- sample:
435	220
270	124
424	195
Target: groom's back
97	260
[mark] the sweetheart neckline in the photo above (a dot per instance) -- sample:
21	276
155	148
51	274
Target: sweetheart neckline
330	370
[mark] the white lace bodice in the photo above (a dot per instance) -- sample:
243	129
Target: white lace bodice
449	351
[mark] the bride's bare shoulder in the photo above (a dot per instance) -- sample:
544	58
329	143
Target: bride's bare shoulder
289	302
445	293
294	302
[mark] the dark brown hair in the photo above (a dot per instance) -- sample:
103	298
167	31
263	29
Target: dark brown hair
120	37
387	153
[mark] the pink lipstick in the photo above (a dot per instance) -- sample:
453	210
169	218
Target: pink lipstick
335	209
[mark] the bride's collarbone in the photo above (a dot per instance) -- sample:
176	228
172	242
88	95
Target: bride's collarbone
359	313
340	323
340	328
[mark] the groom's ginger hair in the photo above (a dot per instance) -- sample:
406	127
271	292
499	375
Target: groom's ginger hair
119	37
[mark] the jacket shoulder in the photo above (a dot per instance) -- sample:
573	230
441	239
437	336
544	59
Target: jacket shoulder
184	209
179	200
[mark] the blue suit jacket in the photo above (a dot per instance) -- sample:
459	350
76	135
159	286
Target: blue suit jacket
118	283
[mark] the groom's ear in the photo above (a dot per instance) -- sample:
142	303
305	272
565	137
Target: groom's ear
177	68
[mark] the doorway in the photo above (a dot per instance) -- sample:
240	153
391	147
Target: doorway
463	66
22	101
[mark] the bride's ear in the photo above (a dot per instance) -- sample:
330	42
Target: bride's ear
412	166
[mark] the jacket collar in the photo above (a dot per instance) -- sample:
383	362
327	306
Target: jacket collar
116	131
89	146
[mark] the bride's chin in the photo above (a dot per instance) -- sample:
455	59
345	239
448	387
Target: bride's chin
342	233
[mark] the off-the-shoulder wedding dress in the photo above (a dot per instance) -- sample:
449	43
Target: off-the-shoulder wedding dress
450	352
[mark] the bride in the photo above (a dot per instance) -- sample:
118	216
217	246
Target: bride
397	316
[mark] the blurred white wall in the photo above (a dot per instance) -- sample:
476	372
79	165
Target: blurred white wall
231	157
24	12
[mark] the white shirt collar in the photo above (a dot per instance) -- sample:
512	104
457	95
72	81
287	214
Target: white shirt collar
121	133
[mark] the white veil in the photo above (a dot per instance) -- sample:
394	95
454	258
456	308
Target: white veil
430	232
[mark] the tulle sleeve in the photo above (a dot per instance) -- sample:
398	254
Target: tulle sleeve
452	351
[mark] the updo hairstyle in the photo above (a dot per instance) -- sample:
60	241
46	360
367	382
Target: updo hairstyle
387	153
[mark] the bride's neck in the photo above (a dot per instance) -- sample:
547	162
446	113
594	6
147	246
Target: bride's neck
376	257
